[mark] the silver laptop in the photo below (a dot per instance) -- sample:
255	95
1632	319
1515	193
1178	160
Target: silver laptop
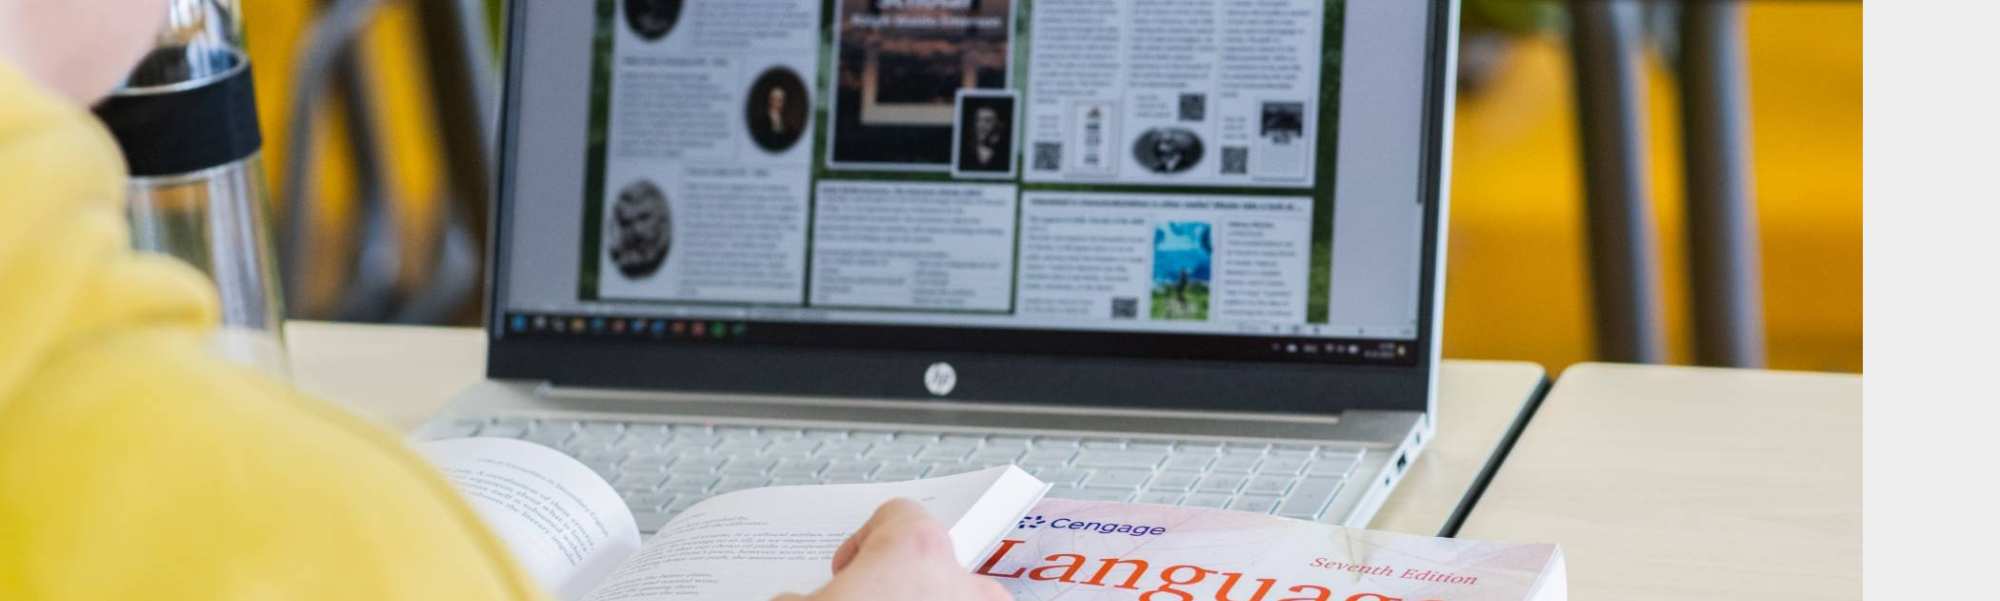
1187	255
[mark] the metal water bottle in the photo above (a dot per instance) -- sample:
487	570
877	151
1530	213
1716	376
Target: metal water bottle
186	120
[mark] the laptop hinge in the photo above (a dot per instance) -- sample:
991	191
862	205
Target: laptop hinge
1385	427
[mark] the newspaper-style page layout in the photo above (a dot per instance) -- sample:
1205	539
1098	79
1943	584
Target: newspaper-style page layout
1139	165
1220	92
1165	257
755	544
1084	551
708	148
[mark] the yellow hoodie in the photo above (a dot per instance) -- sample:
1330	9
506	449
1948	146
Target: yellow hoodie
133	465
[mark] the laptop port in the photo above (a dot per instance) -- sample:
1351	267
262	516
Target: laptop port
1402	461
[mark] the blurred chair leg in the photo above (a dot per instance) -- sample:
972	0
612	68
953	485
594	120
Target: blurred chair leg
371	293
462	68
1723	253
324	61
1624	265
454	281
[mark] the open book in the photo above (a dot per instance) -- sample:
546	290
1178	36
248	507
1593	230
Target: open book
570	529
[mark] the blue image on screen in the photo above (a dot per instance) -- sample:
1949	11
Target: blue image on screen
1181	248
1182	254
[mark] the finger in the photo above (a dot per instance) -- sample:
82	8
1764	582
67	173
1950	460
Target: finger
790	597
990	590
844	555
906	530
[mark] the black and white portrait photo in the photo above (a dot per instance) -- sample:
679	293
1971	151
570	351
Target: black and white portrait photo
985	134
1283	122
1167	150
652	19
776	109
640	230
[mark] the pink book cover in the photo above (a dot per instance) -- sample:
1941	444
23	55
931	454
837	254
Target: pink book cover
1095	551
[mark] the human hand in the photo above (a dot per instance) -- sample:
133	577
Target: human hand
901	554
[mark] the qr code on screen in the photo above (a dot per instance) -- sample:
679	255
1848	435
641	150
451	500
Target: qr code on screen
1124	308
1194	107
1048	156
1235	160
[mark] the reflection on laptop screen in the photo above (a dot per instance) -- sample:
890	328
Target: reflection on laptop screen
1198	178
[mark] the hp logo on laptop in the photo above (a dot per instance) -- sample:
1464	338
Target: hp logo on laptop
940	378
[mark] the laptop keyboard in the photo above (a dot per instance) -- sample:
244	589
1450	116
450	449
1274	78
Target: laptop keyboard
661	468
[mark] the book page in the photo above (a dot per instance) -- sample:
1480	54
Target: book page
566	526
1084	551
755	544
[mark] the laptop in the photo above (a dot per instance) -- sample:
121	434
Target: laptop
1186	255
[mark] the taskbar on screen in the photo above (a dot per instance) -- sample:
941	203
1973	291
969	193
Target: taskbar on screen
1144	345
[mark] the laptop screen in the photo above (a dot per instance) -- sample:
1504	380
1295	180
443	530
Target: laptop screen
1185	179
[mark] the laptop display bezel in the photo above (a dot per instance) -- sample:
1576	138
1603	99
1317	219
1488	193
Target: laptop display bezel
986	377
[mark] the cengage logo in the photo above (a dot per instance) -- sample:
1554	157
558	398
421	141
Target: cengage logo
1101	527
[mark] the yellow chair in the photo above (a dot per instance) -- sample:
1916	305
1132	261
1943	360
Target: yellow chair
1517	279
395	192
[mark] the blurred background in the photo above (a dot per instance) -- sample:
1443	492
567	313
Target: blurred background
387	225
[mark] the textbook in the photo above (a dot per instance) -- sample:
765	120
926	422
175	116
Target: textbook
574	534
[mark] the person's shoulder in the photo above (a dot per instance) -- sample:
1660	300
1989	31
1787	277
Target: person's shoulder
141	443
25	104
53	151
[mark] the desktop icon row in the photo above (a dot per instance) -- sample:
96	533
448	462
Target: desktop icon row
626	326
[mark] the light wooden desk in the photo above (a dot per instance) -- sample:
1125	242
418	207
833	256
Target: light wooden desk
1688	483
402	375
